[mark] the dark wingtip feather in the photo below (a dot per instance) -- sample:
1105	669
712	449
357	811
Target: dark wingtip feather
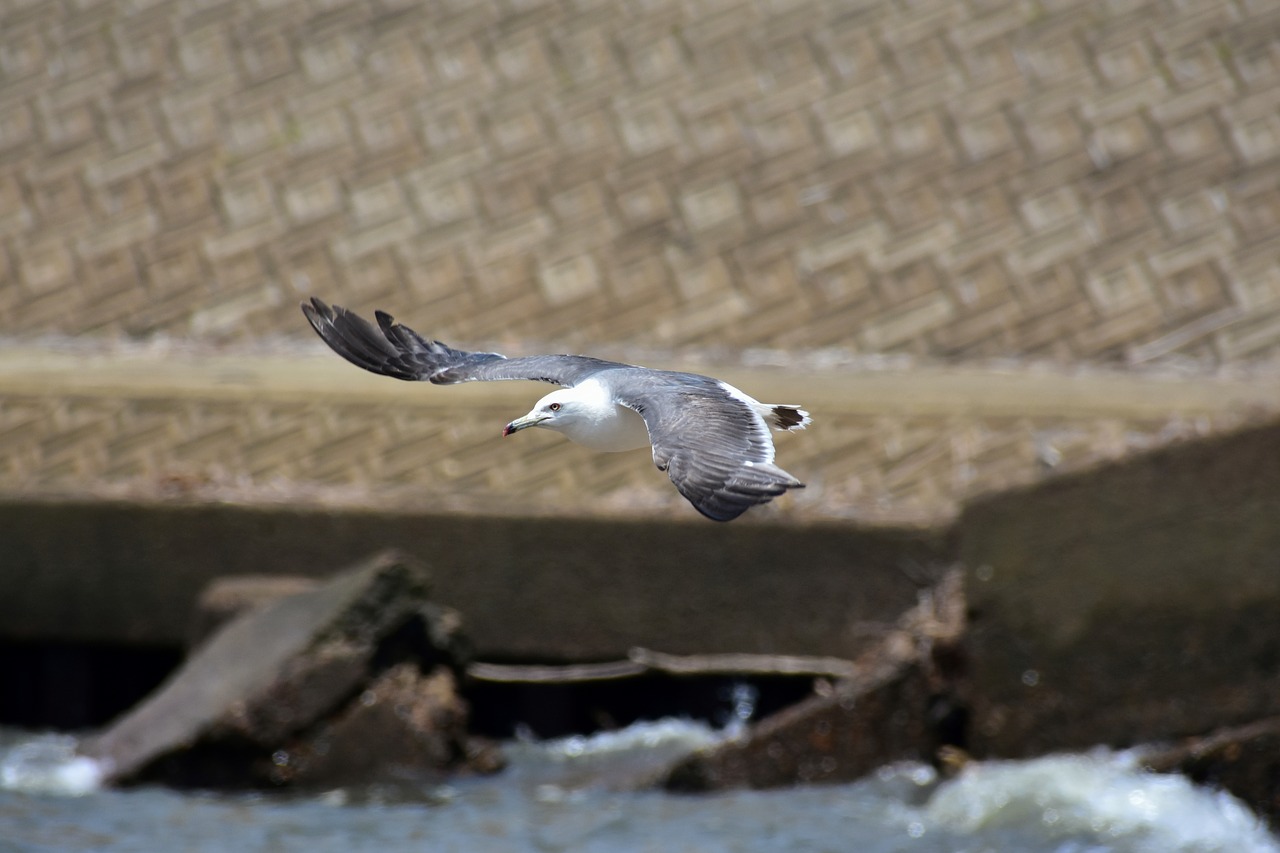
353	338
312	309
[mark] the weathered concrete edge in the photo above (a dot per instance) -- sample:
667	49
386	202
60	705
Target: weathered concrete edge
1130	603
312	374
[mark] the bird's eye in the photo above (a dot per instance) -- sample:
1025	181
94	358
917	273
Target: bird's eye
555	407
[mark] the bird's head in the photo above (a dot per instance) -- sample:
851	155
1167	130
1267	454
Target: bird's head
553	411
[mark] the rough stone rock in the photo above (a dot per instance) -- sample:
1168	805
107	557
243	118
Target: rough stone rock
402	723
281	671
1244	760
902	705
1128	604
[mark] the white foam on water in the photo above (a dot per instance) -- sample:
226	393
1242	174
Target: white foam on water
1103	794
669	732
48	764
551	799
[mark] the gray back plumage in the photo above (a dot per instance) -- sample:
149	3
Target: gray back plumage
715	447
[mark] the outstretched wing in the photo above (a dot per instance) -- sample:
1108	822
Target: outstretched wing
391	349
713	444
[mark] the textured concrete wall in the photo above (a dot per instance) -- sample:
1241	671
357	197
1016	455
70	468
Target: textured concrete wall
1078	181
1075	179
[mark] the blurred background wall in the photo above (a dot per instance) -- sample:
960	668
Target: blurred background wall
1077	182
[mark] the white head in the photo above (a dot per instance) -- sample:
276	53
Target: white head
558	410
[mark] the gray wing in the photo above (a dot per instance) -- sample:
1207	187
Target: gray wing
391	349
715	447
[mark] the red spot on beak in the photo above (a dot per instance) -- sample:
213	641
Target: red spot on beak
507	430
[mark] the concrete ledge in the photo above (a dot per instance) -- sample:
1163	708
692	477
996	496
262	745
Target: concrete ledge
891	443
296	373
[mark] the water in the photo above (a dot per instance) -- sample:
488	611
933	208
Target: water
562	796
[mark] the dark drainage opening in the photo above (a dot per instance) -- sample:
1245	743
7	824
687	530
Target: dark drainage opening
503	710
70	686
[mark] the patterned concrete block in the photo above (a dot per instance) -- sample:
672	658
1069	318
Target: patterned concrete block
569	280
1085	182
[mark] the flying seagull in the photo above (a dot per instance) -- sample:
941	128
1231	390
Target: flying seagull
711	439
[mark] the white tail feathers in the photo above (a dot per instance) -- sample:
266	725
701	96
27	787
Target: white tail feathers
784	417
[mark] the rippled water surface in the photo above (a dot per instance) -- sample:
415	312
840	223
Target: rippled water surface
556	796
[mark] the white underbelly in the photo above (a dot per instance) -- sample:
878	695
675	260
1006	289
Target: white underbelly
624	430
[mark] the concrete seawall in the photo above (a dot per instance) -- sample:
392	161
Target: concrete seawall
530	587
